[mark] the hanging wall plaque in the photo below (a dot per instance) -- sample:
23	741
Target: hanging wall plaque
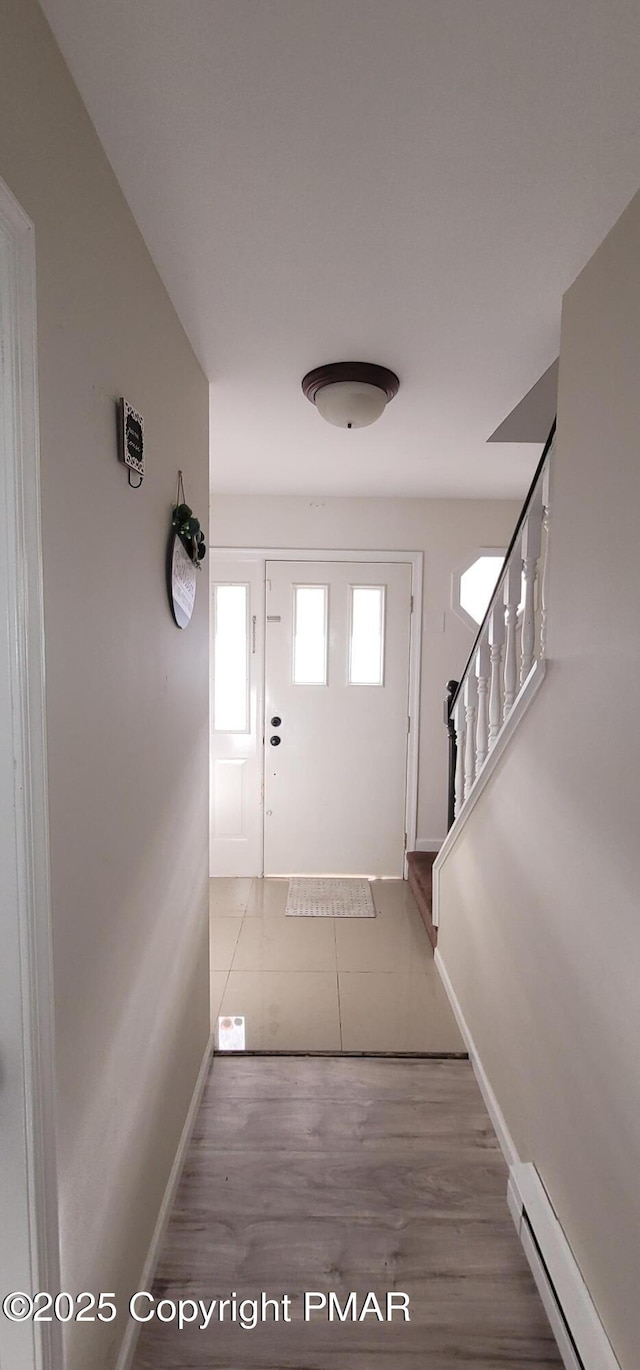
182	578
131	426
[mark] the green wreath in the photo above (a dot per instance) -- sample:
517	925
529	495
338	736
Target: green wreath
188	528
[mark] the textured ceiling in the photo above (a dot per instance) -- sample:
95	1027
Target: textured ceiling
411	182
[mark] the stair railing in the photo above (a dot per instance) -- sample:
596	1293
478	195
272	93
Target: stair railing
510	641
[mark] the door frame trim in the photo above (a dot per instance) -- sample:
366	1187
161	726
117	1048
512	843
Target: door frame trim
21	536
416	561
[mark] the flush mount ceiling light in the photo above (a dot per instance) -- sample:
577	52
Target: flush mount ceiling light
350	394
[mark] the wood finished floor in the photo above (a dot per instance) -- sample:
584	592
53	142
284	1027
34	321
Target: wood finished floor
348	1175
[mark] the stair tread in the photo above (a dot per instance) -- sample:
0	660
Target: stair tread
421	881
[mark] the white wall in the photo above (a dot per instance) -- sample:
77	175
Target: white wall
448	531
540	925
126	690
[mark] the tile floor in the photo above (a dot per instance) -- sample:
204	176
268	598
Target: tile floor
324	984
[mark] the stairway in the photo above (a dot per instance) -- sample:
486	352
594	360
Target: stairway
421	882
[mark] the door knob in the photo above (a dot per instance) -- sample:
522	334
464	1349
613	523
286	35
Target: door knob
275	741
275	721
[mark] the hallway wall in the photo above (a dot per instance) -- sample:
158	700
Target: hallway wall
448	531
126	690
539	927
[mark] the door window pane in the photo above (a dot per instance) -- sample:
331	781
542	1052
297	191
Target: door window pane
366	653
230	659
310	635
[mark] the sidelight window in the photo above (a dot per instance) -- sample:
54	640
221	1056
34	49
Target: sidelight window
230	659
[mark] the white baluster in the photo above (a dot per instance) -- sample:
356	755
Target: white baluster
529	572
512	586
531	543
482	729
470	710
496	642
459	720
543	578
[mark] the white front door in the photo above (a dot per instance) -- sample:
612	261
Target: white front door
336	717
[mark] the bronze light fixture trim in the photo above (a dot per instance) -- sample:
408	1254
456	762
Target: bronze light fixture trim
350	394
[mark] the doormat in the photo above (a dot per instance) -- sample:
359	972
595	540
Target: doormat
323	898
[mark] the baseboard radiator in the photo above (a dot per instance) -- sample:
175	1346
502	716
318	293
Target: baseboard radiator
582	1340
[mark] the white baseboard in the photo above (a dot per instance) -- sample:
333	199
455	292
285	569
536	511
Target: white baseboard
496	1115
127	1350
428	843
572	1314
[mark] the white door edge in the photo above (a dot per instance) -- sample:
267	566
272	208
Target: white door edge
20	536
416	561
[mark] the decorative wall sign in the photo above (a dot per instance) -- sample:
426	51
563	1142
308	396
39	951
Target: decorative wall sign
132	440
182	578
